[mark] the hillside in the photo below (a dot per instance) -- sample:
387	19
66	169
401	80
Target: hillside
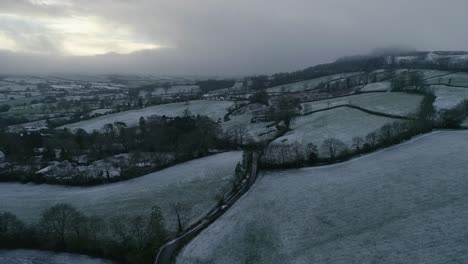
194	185
405	204
353	201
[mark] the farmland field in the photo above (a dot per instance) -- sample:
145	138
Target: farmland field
378	86
448	97
213	109
457	79
341	123
405	204
389	103
309	84
433	75
193	184
254	132
45	257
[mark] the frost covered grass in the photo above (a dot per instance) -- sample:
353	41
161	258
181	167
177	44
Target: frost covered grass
464	123
457	79
240	124
378	86
213	109
100	112
431	75
403	104
254	132
448	97
405	204
194	185
45	257
309	84
340	123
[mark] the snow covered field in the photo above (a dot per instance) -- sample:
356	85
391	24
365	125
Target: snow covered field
378	86
254	132
309	84
100	112
193	184
449	97
341	123
432	75
213	109
17	87
45	257
240	123
405	204
403	104
457	79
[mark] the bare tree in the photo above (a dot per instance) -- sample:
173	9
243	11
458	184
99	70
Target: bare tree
176	209
357	143
59	221
155	229
120	126
187	113
311	152
333	147
238	133
120	228
94	227
386	134
10	226
371	139
108	129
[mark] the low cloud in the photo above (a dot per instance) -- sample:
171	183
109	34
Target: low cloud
211	37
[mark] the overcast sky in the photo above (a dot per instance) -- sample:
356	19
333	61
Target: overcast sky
215	37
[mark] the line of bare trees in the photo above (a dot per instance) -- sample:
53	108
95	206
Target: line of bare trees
282	155
125	239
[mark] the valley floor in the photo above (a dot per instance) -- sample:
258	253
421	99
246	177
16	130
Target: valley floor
405	204
193	185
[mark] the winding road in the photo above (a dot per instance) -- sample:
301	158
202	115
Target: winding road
167	252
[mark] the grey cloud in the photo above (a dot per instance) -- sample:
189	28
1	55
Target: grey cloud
212	37
27	7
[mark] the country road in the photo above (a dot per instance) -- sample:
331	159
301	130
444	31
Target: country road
166	252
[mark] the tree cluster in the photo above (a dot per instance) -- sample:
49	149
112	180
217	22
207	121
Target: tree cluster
62	227
413	79
211	85
284	109
184	138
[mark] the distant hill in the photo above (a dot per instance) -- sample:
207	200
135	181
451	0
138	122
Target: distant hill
437	60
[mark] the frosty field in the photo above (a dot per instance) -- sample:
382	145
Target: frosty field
340	123
45	257
213	109
459	79
309	84
254	132
405	204
403	104
193	184
449	97
378	86
465	123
